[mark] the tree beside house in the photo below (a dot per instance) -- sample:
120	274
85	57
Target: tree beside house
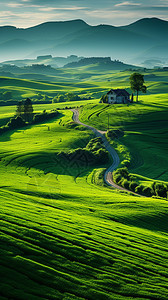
137	83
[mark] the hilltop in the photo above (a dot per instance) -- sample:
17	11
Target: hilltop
100	63
72	61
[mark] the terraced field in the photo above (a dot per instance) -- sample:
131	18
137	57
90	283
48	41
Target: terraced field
145	125
63	236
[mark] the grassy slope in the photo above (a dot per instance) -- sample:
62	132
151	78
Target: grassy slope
79	80
7	112
146	135
61	238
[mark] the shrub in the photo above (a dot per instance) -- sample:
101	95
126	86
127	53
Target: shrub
139	189
120	174
71	125
133	185
94	141
124	172
117	177
16	123
97	176
96	146
13	123
86	156
101	156
115	134
125	163
132	178
39	118
147	191
125	183
160	190
82	156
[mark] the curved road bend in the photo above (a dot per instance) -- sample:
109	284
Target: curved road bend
108	174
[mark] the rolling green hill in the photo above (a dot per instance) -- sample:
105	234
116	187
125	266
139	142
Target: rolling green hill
145	125
63	237
64	233
93	79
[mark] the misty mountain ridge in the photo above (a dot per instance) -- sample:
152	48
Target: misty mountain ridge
132	43
100	63
48	64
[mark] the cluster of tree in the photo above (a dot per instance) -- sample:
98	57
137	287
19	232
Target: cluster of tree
96	147
88	61
39	98
122	177
39	68
25	110
24	116
66	98
115	134
39	118
160	189
14	123
93	154
104	62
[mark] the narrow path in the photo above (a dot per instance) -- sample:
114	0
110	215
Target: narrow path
108	174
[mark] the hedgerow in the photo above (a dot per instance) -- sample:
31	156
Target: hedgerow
122	177
93	154
14	123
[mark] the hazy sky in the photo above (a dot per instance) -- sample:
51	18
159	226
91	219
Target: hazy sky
26	13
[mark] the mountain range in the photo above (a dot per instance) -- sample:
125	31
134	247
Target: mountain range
134	43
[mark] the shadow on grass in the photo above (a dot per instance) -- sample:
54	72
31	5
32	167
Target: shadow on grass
5	137
158	222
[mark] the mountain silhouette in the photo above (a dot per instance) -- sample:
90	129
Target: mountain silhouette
150	27
129	43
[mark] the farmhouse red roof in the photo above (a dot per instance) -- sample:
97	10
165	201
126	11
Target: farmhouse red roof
119	92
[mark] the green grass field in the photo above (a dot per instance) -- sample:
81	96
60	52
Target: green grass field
81	80
7	112
65	234
145	125
63	237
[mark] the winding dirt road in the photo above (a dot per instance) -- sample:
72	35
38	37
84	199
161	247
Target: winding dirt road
108	177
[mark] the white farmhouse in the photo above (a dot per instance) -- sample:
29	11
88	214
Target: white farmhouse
118	96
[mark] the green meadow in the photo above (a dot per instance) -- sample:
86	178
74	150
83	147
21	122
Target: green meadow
90	79
145	126
7	112
64	233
